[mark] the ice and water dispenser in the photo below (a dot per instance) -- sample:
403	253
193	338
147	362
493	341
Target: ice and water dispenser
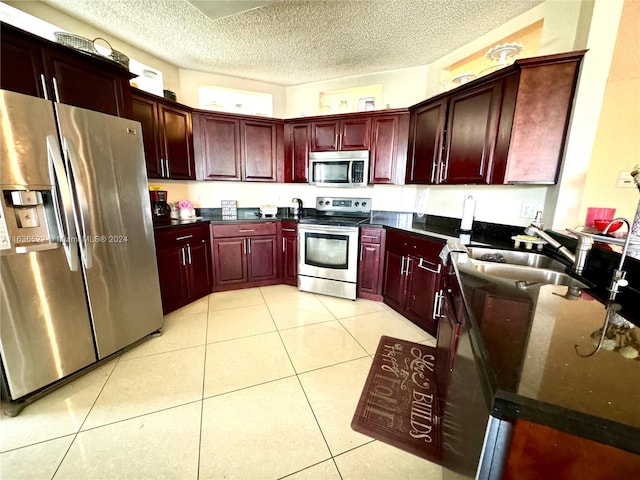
27	221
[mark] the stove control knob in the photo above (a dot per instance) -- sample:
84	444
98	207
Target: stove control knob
327	202
319	202
357	203
364	204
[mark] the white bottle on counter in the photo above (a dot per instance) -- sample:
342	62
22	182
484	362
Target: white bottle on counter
468	209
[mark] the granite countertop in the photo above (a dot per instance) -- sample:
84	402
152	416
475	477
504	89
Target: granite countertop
527	345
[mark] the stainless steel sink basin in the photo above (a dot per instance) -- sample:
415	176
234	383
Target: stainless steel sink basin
527	276
515	257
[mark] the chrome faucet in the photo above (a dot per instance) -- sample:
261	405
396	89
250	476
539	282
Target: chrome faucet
578	260
619	275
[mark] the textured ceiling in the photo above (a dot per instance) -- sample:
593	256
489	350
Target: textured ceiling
293	42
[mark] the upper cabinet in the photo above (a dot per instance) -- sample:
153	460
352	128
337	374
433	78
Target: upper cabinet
507	127
351	133
384	134
388	158
38	67
234	147
167	136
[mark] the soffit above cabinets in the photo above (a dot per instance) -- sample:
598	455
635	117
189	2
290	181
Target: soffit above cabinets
292	42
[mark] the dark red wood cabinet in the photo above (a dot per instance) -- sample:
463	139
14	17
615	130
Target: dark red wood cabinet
371	265
507	127
332	135
412	277
389	140
167	136
35	66
238	148
245	255
297	139
184	264
472	127
426	134
289	235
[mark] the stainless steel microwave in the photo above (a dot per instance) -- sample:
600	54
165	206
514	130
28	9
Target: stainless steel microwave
339	169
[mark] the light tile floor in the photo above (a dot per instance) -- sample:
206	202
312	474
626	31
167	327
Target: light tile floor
251	384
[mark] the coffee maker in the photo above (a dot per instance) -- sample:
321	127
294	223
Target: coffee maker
160	209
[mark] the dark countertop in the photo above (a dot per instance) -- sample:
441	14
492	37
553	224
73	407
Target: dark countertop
525	345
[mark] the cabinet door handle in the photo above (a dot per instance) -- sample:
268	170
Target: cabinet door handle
162	168
184	260
427	268
249	245
288	229
442	172
189	253
184	237
43	81
407	270
361	249
437	305
433	171
246	230
370	236
55	90
168	171
244	246
283	245
402	267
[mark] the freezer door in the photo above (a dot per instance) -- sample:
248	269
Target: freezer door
105	158
45	331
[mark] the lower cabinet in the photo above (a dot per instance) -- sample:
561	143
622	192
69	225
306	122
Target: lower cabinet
412	278
371	265
184	264
245	255
289	233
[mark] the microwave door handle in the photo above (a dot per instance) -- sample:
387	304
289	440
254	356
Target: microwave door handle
350	172
62	202
80	205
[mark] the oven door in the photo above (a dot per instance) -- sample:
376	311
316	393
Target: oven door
329	252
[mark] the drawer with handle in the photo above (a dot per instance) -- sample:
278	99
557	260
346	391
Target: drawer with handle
244	229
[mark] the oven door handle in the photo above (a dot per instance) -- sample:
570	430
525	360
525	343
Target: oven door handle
327	229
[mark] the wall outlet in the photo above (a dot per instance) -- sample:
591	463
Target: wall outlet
528	210
198	197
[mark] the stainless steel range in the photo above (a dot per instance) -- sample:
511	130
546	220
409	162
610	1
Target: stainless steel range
328	246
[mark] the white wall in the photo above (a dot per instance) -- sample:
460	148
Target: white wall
191	81
400	88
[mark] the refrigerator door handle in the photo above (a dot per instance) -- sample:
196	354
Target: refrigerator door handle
80	205
62	202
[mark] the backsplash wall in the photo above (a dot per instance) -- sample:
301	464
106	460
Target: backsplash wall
495	204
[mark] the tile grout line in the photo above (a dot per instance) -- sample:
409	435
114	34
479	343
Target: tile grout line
324	438
75	436
204	376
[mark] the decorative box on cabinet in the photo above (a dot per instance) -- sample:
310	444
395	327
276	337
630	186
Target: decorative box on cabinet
35	66
245	255
412	277
289	232
167	136
184	264
238	147
371	266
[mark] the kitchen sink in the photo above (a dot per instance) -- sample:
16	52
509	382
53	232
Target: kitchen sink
499	257
527	276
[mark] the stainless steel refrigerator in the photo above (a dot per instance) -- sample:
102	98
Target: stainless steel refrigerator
78	272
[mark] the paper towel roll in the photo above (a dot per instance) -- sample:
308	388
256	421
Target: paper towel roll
468	209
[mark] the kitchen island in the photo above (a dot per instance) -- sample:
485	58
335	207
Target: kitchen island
524	397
